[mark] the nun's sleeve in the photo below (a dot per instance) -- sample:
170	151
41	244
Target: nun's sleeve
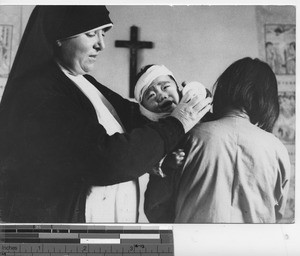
63	134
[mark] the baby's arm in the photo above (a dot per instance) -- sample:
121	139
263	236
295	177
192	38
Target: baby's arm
169	163
160	194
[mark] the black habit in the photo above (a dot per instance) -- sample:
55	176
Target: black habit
52	148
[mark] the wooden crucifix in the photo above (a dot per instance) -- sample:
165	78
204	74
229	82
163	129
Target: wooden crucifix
134	45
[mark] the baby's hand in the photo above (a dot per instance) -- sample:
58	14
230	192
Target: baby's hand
168	164
179	157
174	161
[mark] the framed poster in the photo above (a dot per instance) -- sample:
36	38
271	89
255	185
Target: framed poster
285	126
10	33
285	130
5	49
281	48
277	47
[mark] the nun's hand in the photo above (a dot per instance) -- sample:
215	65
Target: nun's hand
191	109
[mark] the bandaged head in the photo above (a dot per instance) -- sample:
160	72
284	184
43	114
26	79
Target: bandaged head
147	78
143	84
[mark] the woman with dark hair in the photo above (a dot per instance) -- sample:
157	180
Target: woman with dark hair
251	87
71	149
236	171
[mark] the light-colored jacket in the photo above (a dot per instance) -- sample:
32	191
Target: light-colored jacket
235	172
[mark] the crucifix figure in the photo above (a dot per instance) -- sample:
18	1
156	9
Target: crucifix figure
134	45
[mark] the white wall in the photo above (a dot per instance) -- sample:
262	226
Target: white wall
26	11
195	42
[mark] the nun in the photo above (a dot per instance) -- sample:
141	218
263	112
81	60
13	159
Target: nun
71	149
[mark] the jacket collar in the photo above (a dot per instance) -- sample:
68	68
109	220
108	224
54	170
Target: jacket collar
237	113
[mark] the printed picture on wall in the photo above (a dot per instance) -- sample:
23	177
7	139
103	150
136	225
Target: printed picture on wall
280	46
5	49
284	128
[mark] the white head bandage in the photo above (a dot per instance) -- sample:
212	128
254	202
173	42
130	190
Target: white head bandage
147	78
195	88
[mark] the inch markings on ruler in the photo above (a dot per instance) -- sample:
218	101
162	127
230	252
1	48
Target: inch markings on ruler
75	249
86	240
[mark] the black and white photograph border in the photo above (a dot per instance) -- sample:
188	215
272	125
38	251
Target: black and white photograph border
226	239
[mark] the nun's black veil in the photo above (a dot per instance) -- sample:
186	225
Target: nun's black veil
32	52
46	25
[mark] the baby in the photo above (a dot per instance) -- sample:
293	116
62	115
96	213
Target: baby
158	93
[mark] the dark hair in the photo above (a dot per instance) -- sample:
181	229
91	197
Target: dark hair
142	71
249	85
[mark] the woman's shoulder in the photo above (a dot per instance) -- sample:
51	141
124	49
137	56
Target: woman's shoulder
40	77
45	84
225	129
276	143
208	132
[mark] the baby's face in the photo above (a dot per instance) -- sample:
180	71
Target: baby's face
161	96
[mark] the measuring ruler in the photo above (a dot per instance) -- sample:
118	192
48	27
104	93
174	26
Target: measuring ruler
86	240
